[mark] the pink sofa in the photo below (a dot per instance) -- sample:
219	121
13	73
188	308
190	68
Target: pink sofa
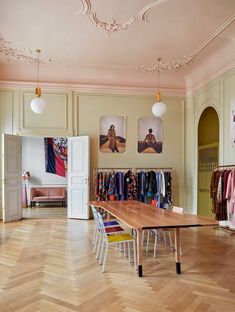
47	194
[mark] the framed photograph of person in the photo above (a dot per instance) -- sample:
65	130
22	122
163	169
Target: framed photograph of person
150	135
112	134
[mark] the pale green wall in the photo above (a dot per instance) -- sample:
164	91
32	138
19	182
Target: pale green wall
218	94
92	107
79	115
70	113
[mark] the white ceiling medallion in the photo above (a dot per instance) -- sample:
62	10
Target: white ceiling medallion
114	26
22	55
173	64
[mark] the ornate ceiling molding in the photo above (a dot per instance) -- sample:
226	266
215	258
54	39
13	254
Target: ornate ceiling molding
114	26
173	64
20	55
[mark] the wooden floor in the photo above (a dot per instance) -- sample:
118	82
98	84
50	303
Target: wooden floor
48	265
45	212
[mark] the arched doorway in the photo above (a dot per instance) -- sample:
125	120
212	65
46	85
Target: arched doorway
208	151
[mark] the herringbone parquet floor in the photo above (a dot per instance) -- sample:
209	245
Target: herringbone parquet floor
48	265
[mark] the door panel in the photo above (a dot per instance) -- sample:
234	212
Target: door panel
78	177
11	177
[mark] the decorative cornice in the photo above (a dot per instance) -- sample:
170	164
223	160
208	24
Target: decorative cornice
213	36
20	55
114	26
92	88
175	64
218	73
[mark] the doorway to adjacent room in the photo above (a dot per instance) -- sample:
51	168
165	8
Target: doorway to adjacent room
208	151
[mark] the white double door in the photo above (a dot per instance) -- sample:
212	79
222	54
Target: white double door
78	177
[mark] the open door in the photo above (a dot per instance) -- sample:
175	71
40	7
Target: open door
78	177
11	177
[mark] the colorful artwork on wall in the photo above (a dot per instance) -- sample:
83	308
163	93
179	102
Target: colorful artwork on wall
56	155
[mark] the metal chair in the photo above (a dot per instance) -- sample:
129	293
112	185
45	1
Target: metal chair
113	240
157	233
97	237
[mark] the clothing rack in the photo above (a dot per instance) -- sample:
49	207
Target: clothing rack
224	166
129	183
166	168
225	228
113	169
134	168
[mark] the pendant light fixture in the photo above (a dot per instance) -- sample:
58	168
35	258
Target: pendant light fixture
159	108
38	105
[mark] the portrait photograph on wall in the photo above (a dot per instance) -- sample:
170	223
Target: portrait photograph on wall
112	134
232	123
150	135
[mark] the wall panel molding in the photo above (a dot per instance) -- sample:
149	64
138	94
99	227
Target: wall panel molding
57	120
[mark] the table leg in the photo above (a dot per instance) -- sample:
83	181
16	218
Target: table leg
139	252
177	251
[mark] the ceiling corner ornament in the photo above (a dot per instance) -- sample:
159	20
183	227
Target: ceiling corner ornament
114	26
19	55
172	64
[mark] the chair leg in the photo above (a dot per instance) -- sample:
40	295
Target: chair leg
147	243
105	256
101	252
96	241
120	247
155	246
129	252
94	237
134	250
164	237
170	240
98	247
143	237
124	249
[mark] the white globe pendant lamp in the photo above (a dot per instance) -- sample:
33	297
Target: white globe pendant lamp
38	104
159	108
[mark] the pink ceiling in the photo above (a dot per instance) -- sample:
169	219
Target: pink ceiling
83	54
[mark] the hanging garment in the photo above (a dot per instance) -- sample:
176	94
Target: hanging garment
158	184
96	187
130	186
104	186
152	184
142	186
230	194
120	185
111	186
216	191
168	196
163	187
225	182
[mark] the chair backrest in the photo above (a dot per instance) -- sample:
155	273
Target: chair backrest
101	226
179	210
94	212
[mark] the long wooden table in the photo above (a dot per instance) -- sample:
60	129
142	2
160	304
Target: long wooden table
139	216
